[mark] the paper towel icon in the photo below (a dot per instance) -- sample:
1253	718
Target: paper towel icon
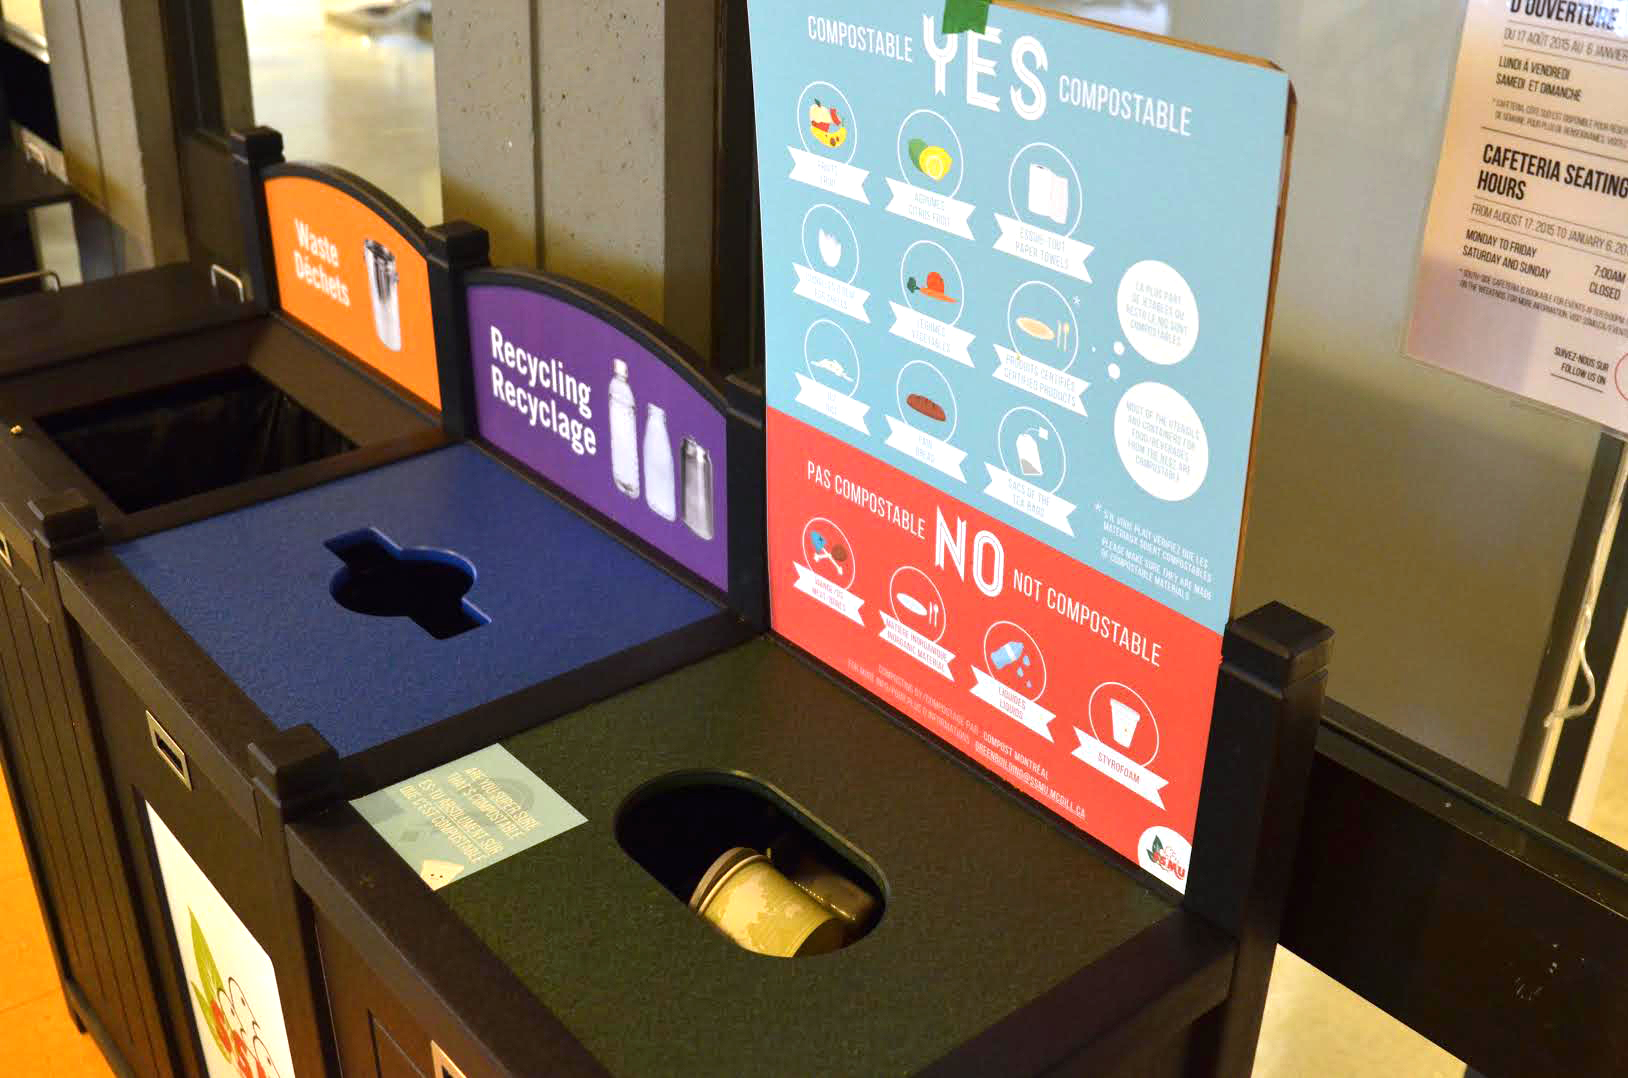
1048	194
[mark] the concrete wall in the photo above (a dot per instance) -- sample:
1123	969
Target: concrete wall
111	80
581	135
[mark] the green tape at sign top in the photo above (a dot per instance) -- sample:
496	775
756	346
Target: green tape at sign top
962	15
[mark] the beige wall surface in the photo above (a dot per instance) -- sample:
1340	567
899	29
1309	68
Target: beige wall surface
1426	518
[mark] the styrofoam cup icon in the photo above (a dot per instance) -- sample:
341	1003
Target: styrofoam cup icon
1126	720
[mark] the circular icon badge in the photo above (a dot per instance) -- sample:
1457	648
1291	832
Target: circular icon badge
926	401
1031	448
827	551
830	357
1015	659
1042	326
1121	718
917	603
826	123
929	153
1044	188
830	244
930	281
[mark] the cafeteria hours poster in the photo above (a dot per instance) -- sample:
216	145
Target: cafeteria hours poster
1524	262
1016	286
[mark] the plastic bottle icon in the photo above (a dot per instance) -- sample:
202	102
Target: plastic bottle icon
1006	656
624	432
660	492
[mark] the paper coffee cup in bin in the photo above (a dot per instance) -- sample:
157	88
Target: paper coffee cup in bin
747	899
1126	720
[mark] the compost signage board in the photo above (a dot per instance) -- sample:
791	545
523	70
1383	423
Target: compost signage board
1016	286
1524	265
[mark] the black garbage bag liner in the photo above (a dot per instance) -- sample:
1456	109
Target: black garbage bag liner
157	447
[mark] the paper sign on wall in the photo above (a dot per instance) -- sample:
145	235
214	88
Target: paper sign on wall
1016	285
1523	271
570	393
228	975
349	275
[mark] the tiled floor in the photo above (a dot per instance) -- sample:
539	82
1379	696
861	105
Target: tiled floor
36	1034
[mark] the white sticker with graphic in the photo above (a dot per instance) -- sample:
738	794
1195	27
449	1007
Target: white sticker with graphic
228	975
1167	855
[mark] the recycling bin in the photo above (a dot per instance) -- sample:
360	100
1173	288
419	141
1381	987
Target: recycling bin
994	941
249	668
131	406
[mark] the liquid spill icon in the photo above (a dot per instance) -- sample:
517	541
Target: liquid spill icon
1011	655
1028	450
825	550
1126	720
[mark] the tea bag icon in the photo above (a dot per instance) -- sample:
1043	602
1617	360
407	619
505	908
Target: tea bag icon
1048	194
1028	450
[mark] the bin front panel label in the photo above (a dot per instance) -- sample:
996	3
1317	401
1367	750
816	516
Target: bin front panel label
586	406
228	975
1006	491
351	277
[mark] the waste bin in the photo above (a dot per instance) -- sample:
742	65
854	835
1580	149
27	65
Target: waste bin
995	941
131	406
251	667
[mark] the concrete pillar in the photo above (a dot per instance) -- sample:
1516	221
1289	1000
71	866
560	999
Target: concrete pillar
110	75
618	101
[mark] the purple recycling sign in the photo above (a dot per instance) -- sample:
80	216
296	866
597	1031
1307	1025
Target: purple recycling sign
586	406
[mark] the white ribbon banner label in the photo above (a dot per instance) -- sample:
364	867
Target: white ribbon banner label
1043	248
917	646
831	404
1117	766
930	208
828	593
936	453
1047	383
937	337
832	176
1030	500
1013	704
829	292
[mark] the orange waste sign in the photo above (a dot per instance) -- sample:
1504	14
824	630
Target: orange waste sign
350	276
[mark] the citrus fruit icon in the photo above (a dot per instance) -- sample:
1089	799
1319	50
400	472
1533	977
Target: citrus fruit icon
934	162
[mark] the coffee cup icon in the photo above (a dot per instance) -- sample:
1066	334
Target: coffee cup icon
1126	720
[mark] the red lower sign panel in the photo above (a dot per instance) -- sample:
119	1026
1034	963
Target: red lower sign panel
1090	698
